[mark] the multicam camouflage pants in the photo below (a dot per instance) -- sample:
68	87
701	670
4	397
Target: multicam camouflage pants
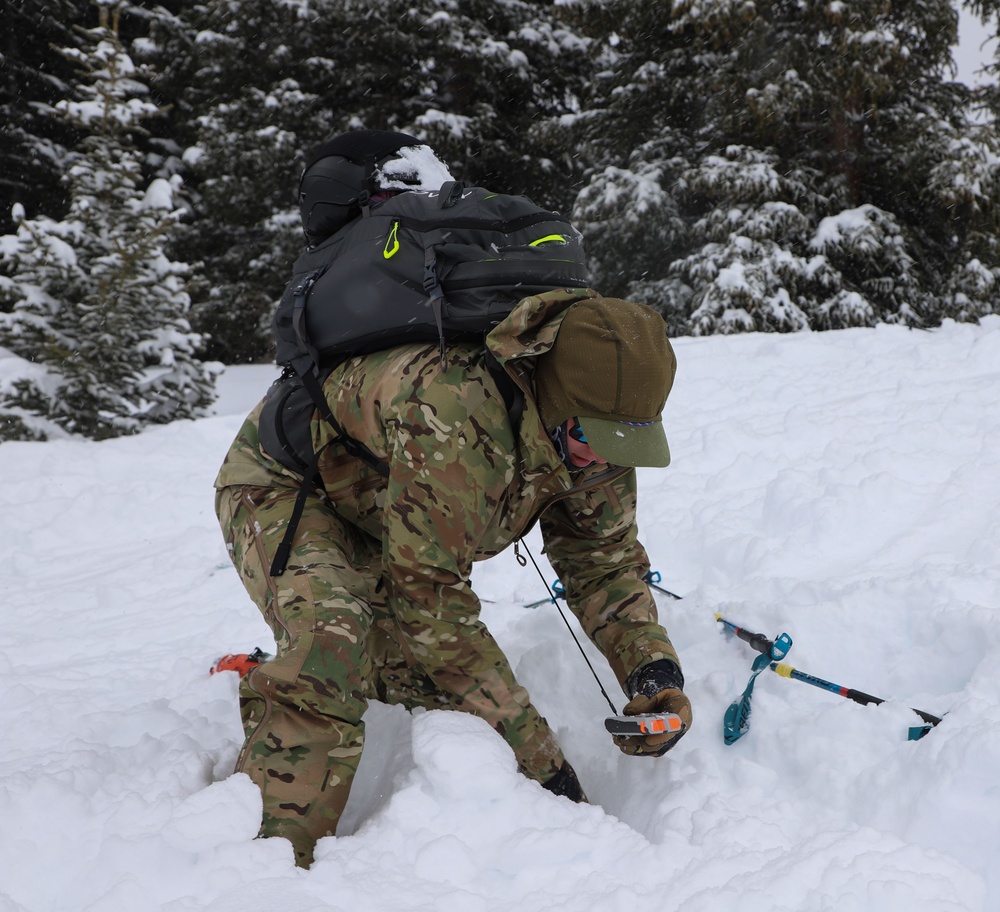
338	646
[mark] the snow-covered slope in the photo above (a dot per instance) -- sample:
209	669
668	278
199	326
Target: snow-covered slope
843	487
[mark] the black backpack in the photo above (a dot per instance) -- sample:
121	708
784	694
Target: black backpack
421	267
424	267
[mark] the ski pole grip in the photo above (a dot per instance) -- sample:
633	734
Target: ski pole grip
757	640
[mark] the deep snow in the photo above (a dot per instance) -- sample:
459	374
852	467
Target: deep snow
843	487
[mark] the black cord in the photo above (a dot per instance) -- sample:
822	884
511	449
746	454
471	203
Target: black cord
562	614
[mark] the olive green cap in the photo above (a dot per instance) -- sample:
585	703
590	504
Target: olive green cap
611	367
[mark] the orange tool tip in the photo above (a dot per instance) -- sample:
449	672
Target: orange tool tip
238	662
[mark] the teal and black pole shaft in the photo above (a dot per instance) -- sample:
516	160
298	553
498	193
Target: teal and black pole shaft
764	646
858	696
652	579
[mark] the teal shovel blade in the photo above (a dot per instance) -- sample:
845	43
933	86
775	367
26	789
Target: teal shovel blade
736	722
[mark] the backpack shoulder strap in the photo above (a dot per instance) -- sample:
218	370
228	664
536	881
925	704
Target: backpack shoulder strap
513	395
284	549
304	368
354	447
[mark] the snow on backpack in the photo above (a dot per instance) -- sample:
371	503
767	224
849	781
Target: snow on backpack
433	267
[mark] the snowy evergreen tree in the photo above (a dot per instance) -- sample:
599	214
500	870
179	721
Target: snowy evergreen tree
260	84
966	181
780	165
988	12
33	147
98	312
230	71
739	164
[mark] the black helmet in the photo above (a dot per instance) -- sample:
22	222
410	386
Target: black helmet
345	171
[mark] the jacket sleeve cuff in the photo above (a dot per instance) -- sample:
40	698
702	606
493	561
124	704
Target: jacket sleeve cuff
642	647
657	676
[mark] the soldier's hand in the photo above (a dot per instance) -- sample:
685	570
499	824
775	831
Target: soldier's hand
656	688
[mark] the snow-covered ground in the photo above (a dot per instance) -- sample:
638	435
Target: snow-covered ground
843	487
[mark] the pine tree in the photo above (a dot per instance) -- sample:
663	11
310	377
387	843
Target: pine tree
98	310
260	84
988	94
789	165
231	72
966	183
33	147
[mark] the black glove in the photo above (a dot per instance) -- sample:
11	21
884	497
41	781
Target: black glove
566	784
656	688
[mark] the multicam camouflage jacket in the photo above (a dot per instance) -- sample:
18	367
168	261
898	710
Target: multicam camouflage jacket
461	487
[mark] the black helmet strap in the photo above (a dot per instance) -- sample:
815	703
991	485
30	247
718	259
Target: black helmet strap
368	191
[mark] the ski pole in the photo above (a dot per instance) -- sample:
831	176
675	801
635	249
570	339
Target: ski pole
858	696
757	640
763	645
558	592
652	578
